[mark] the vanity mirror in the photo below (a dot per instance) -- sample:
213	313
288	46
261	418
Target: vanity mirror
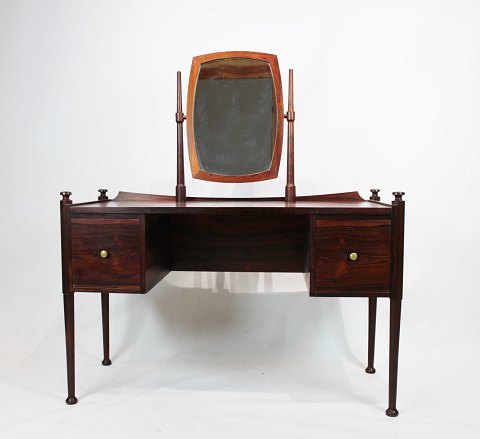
236	124
235	119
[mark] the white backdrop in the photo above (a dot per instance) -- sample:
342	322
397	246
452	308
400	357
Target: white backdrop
387	95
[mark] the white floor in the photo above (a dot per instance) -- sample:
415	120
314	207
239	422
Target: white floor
216	361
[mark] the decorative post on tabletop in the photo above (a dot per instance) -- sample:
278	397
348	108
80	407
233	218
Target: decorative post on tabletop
375	196
103	195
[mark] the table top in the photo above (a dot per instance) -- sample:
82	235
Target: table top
132	203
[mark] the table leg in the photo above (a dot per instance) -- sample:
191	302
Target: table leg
372	319
106	329
68	308
395	311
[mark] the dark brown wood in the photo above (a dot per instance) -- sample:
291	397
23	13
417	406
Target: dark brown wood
120	269
106	329
398	195
68	297
131	196
229	243
396	294
313	236
157	250
197	172
307	268
107	220
237	207
372	320
180	190
68	311
142	254
65	205
103	195
395	313
396	248
336	240
375	196
137	247
345	196
312	254
290	116
66	197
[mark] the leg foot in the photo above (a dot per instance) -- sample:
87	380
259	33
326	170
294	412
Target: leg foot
68	303
395	312
372	320
71	400
393	413
106	329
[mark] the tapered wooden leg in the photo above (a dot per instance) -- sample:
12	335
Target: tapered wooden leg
395	311
106	330
68	308
372	320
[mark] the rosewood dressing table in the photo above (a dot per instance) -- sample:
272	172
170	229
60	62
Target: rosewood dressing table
345	246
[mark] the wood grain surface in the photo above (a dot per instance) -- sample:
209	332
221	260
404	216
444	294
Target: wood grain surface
335	240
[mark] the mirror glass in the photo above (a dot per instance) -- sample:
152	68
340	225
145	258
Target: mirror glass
234	117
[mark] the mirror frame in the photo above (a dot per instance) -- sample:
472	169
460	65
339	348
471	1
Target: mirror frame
270	173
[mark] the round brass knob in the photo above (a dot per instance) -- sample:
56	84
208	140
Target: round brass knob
103	254
353	256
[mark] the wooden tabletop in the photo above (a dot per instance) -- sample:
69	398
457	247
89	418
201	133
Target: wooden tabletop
131	203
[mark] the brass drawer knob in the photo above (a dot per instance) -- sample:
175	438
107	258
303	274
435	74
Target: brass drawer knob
353	256
103	254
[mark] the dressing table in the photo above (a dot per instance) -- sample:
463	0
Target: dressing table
344	245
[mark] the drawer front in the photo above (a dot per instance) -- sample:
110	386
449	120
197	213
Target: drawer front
352	256
118	241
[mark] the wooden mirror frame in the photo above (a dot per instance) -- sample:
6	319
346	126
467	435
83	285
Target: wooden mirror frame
270	173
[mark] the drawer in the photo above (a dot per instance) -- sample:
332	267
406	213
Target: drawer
351	256
118	239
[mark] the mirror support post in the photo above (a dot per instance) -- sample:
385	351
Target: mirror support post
180	190
290	116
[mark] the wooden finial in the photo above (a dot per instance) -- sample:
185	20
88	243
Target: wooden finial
398	195
180	190
103	194
375	196
290	116
66	197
